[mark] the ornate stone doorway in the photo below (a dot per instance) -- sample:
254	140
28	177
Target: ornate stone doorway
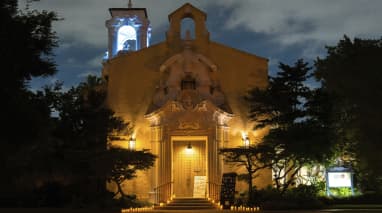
189	166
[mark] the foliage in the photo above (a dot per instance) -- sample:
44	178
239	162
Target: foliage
27	43
122	164
351	71
85	125
84	121
300	131
249	158
27	37
280	104
364	198
300	197
341	192
75	143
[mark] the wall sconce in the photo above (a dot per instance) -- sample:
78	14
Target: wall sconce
189	150
132	143
246	141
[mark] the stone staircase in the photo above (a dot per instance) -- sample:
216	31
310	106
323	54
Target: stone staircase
188	204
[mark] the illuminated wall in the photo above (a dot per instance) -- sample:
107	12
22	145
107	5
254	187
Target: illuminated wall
185	88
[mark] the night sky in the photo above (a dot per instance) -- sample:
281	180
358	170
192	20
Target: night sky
280	30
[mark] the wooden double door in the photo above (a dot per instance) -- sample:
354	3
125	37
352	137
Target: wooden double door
189	168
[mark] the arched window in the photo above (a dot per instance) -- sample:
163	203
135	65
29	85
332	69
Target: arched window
127	38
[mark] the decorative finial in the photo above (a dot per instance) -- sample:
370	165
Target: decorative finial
129	5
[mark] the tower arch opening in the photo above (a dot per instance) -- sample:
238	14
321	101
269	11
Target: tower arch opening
127	38
187	28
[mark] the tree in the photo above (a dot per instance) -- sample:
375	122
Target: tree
85	125
351	71
27	41
26	37
299	134
122	164
84	120
251	158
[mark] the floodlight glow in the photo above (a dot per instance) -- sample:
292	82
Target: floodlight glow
126	33
132	143
106	55
245	138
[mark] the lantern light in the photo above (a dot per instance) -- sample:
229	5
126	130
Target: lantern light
132	143
189	146
246	141
189	149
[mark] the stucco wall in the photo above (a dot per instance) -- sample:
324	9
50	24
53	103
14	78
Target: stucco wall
134	76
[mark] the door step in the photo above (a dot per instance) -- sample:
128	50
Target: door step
188	204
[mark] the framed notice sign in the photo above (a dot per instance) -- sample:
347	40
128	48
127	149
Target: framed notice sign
339	177
200	186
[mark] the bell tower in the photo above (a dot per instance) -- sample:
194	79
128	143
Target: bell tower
128	30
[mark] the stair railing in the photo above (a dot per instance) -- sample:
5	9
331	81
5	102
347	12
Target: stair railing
163	192
214	191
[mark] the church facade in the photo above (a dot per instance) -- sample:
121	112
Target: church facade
184	98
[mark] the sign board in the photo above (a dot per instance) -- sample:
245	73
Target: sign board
227	193
339	179
200	186
339	176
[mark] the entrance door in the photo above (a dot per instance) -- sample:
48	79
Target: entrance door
189	160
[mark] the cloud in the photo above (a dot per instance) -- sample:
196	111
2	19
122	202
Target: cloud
41	82
295	21
71	60
88	72
286	22
313	50
95	62
278	29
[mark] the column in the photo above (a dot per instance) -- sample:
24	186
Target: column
156	147
143	36
222	132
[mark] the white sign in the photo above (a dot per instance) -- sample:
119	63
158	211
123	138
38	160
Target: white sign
200	186
339	179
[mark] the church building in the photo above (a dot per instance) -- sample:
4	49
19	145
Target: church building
184	98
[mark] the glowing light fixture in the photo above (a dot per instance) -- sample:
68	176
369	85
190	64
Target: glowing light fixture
132	143
245	138
189	148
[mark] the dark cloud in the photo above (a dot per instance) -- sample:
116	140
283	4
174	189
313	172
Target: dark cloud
279	30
